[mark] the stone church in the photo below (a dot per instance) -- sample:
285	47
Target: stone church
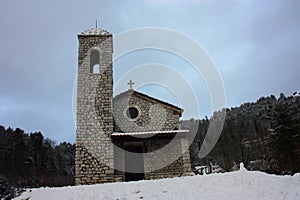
129	137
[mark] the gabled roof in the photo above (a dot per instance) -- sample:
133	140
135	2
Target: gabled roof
175	109
95	32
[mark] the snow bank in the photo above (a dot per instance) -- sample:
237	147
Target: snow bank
241	184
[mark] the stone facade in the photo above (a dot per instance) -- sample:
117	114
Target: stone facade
153	115
100	154
152	162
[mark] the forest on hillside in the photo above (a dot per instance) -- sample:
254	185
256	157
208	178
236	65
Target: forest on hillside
30	160
264	135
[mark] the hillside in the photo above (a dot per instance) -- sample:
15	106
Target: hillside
264	135
240	184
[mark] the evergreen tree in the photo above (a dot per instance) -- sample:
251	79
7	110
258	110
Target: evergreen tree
284	141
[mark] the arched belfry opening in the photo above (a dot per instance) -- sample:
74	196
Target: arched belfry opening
95	61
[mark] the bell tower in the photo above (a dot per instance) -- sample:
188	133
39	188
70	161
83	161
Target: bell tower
94	122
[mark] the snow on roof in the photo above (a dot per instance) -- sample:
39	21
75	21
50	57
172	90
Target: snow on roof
149	133
95	31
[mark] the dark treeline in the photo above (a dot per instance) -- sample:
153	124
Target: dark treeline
30	160
264	135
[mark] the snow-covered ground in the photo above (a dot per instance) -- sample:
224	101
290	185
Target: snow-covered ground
241	184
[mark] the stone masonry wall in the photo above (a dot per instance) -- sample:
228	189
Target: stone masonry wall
171	161
152	117
94	149
174	166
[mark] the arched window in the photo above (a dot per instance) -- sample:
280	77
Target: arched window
95	61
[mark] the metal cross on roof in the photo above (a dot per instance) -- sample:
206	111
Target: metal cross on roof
130	83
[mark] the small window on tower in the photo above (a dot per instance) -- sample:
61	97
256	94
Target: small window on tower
95	61
96	69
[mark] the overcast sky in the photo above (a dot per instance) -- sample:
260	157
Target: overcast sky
254	44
